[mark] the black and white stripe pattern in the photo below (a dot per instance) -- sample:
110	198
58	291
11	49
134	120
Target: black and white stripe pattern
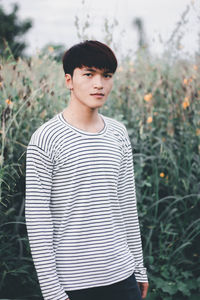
81	212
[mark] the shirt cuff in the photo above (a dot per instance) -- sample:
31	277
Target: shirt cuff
141	275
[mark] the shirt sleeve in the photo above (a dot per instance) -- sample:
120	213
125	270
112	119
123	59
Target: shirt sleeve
39	221
127	198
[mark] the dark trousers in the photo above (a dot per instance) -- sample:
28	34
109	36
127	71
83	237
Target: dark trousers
126	289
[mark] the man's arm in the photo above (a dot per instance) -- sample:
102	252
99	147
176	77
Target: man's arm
127	198
39	221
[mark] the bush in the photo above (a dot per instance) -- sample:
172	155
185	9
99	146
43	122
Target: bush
158	100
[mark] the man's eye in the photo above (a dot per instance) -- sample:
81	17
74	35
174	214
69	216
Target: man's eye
107	76
88	74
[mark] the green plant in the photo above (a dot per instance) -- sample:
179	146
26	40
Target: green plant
158	100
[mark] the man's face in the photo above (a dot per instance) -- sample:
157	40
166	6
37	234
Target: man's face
90	86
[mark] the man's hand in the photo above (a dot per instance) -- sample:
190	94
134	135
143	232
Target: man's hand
143	286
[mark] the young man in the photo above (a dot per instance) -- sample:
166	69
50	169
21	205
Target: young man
80	209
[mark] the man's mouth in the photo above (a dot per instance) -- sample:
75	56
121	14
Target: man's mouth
97	94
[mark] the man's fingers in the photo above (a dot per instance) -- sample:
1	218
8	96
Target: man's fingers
143	288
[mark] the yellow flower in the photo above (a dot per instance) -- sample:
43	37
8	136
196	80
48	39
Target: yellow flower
1	83
148	97
186	103
50	49
185	81
162	174
195	67
43	114
149	120
8	101
198	131
120	69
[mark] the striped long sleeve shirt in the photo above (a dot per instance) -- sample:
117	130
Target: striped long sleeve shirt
80	208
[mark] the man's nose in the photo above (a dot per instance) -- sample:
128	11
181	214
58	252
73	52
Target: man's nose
98	82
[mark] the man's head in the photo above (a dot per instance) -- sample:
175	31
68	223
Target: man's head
89	68
89	54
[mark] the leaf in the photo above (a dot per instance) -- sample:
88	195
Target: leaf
182	287
165	274
170	288
151	260
192	284
186	274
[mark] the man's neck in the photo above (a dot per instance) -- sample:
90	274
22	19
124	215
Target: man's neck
84	119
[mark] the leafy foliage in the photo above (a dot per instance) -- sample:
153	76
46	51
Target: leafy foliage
149	98
159	104
11	31
158	100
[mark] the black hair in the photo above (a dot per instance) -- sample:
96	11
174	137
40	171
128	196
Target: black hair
89	53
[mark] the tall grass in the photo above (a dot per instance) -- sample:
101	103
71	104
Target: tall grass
158	100
29	98
160	104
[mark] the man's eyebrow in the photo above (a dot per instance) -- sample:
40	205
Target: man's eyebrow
89	69
94	70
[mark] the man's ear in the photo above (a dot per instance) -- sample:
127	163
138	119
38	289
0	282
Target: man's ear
68	81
